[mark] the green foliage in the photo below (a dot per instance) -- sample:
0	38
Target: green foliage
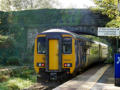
3	23
108	7
114	23
28	60
15	5
17	83
94	51
16	43
3	78
25	73
44	17
110	60
1	60
13	86
18	79
13	60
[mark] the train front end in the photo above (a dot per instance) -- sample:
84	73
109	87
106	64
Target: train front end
54	54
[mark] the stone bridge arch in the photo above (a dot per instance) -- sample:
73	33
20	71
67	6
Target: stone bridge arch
79	21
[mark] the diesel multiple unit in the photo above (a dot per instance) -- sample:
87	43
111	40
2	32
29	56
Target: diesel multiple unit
58	52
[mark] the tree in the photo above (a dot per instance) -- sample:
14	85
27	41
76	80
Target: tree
109	8
15	5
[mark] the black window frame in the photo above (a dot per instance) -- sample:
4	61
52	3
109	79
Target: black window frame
63	44
43	45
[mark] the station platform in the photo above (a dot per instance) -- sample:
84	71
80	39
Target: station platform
96	78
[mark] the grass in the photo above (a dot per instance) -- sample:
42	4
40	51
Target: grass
17	83
19	79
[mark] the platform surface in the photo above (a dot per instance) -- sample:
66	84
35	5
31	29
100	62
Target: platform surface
96	78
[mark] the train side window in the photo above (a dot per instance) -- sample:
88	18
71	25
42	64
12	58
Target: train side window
67	45
41	45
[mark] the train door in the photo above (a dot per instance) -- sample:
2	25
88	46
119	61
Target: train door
82	54
53	54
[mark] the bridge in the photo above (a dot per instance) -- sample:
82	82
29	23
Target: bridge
76	20
26	24
80	21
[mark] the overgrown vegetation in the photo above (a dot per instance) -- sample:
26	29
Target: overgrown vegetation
109	8
13	5
17	79
13	61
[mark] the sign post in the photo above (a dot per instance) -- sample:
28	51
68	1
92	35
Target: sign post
110	32
113	32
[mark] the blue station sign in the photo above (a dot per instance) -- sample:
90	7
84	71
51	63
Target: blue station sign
117	65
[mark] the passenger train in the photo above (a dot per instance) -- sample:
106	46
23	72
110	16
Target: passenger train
59	52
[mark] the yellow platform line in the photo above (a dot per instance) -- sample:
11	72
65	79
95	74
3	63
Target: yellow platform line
94	78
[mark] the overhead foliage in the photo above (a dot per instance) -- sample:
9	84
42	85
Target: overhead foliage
15	5
109	8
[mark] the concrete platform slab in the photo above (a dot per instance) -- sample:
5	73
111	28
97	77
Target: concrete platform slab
84	81
106	82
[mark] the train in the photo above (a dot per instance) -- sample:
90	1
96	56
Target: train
59	52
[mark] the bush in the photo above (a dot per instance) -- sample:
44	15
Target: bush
109	61
13	60
3	78
1	60
13	86
28	60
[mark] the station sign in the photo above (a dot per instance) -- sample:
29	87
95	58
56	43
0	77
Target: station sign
108	31
117	65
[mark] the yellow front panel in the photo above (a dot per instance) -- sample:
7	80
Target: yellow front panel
38	58
53	54
69	58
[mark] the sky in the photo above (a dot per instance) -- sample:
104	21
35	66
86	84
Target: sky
74	4
62	4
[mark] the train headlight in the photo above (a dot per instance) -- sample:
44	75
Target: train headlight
43	64
40	64
68	65
65	65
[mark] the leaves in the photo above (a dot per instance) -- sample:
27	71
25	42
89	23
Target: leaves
109	7
15	5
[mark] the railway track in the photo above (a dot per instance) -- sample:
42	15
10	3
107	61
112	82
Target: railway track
49	85
45	85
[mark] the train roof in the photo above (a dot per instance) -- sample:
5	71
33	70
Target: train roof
66	32
58	31
73	34
100	43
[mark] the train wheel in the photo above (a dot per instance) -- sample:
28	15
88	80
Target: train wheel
43	77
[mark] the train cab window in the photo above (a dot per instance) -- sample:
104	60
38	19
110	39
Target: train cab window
41	45
67	45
